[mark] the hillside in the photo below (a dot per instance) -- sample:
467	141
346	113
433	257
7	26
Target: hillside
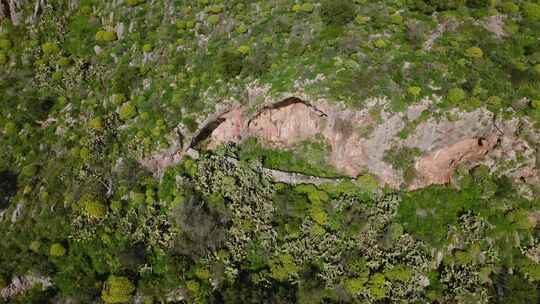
271	151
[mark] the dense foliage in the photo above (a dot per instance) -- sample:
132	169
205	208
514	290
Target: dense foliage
89	88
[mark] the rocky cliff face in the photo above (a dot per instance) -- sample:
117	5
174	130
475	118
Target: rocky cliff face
359	140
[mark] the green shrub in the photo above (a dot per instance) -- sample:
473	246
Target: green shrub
318	215
456	95
494	103
147	48
127	111
307	8
361	19
244	49
282	268
79	39
57	75
213	19
379	43
5	44
137	198
106	36
398	273
428	6
134	2
95	123
354	286
479	3
241	29
377	287
35	246
92	207
193	286
531	11
337	12
368	182
3	58
57	250
215	9
414	91
536	69
50	48
396	19
231	63
117	290
474	52
509	7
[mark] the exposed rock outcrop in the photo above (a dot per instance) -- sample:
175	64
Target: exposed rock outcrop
22	284
438	167
358	140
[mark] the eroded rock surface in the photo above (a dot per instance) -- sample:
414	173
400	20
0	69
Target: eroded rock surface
359	140
438	167
445	143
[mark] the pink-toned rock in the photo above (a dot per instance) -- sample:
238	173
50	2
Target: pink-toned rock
358	143
231	129
439	166
295	121
292	121
287	125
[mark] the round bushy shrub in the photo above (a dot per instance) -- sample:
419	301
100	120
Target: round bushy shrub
117	290
95	123
5	44
474	52
147	48
213	19
456	95
509	7
244	49
49	48
57	250
127	111
414	91
337	12
35	246
105	36
307	8
379	43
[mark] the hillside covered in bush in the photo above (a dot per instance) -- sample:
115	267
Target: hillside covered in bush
269	151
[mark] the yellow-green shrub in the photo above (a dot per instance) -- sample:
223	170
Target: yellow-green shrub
117	290
57	250
106	36
127	111
474	52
